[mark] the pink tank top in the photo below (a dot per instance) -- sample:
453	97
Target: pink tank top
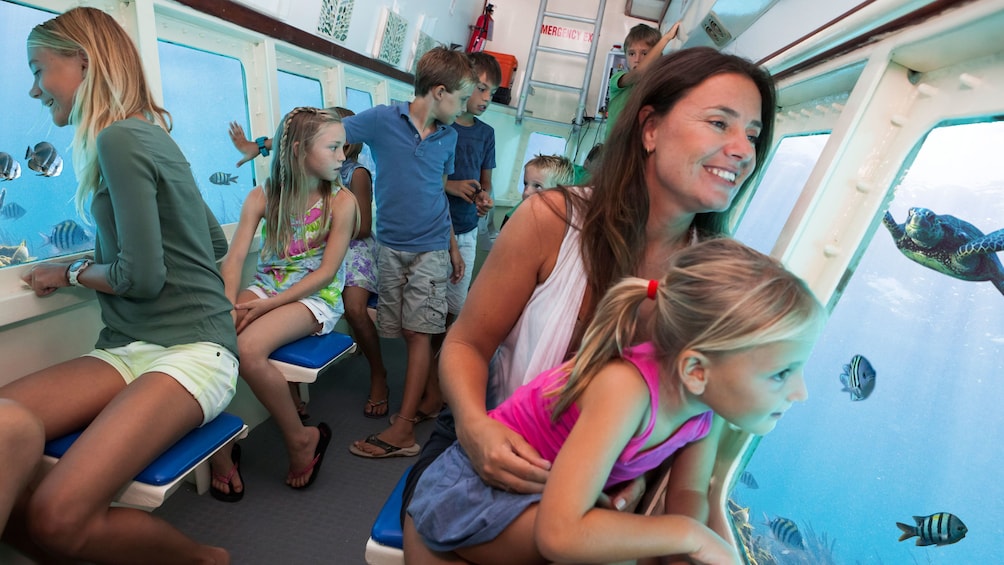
528	412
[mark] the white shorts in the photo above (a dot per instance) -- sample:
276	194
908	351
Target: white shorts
322	311
208	371
456	294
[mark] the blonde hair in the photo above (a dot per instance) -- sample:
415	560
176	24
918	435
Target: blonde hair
114	86
718	296
558	168
288	186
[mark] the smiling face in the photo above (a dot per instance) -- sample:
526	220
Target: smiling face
56	79
703	149
753	388
326	153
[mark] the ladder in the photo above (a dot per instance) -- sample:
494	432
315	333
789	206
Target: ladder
536	48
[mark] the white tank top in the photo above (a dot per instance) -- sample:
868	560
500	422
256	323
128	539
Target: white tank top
540	338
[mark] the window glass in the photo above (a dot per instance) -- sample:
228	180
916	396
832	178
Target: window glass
296	90
33	205
927	439
358	101
205	92
779	188
541	144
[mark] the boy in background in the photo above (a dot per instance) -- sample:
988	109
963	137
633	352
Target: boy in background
469	188
414	150
642	47
543	172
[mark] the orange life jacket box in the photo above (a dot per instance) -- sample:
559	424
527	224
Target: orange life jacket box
508	64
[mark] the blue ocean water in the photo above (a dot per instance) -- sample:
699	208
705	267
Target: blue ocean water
928	439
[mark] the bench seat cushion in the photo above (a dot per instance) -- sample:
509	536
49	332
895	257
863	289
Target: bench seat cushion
314	351
180	458
387	527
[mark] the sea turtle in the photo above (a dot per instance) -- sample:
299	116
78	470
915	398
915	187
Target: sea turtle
949	245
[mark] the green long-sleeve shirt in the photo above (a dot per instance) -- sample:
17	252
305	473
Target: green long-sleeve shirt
160	242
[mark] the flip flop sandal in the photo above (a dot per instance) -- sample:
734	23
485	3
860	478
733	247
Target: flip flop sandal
372	406
232	496
315	466
388	449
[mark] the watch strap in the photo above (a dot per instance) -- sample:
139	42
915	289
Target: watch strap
262	150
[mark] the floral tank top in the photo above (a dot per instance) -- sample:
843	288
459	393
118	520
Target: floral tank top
276	274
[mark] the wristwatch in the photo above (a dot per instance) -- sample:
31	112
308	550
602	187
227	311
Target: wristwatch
75	268
261	146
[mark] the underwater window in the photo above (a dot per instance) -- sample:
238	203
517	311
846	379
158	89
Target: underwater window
38	216
204	92
779	188
357	101
296	91
917	441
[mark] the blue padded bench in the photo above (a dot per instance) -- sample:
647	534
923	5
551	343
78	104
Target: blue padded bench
302	360
384	545
164	475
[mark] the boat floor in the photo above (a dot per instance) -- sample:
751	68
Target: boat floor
326	523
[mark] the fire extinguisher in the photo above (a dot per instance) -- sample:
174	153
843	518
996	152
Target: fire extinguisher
482	30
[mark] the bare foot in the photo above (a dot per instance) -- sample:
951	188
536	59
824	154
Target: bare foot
224	471
400	434
379	398
301	458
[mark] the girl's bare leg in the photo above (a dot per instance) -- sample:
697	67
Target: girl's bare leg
415	552
365	333
22	438
69	514
259	339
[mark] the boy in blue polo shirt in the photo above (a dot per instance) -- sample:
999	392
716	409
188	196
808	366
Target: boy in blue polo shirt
414	148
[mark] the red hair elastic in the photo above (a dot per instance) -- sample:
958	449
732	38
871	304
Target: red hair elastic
653	285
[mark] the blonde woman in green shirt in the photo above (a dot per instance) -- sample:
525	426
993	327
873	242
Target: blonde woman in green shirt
166	360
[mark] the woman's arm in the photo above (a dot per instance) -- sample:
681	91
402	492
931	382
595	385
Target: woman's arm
343	224
232	267
570	528
362	188
521	258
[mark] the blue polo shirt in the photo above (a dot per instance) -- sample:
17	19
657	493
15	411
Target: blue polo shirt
411	204
475	151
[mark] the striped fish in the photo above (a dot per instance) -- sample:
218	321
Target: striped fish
858	378
12	211
786	532
44	159
747	479
9	168
937	529
222	178
67	235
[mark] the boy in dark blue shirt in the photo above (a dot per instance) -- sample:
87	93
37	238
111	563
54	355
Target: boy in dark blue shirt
469	188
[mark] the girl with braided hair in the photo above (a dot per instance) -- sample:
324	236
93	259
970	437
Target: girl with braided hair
309	220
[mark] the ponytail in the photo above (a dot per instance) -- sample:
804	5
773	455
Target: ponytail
614	327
